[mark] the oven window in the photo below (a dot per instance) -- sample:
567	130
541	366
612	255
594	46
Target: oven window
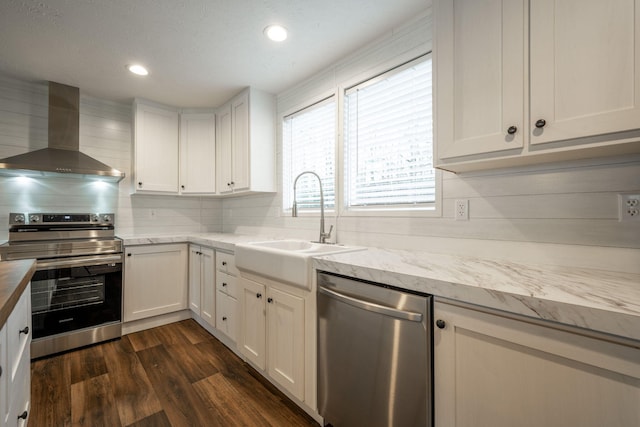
66	292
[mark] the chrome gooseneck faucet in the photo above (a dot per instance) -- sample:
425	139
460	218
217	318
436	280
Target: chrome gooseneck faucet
294	209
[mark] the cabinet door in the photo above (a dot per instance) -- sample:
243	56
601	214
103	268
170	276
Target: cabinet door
195	278
491	370
285	331
223	147
252	322
479	76
207	286
585	68
156	149
155	280
198	153
4	395
240	153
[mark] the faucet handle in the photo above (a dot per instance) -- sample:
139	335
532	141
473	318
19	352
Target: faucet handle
326	235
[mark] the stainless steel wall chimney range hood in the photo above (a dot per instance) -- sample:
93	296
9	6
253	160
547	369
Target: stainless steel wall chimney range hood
62	157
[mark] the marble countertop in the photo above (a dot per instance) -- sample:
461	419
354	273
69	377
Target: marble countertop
598	300
603	301
14	277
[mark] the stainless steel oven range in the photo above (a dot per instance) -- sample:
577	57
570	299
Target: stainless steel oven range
76	291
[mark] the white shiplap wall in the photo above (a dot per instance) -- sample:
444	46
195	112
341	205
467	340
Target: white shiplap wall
105	133
562	214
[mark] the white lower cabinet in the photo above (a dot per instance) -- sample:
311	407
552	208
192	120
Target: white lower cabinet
15	358
202	286
503	371
155	280
272	329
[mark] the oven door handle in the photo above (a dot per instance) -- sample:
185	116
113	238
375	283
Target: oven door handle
48	264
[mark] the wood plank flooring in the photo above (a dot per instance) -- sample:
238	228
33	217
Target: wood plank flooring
173	375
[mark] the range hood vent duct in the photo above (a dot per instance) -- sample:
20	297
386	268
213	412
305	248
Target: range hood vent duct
62	157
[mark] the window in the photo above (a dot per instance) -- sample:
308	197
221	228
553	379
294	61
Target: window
309	141
388	140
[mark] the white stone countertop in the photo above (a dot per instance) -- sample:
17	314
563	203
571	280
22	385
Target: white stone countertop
599	300
594	299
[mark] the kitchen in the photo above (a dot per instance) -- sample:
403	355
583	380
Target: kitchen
561	215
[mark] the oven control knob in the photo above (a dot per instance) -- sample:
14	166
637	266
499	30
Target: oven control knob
106	218
19	218
34	218
95	218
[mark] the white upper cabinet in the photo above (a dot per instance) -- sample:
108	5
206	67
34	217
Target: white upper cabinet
155	153
480	76
246	143
585	68
197	153
521	82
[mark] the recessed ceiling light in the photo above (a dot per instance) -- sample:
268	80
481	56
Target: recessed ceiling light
137	69
277	33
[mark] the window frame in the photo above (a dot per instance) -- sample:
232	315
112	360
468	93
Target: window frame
316	100
433	209
338	93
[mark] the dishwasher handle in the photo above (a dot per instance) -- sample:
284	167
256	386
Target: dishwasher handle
370	306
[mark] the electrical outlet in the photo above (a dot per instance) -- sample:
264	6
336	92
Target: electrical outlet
461	210
629	207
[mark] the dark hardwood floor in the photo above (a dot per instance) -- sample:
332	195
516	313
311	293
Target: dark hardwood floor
173	375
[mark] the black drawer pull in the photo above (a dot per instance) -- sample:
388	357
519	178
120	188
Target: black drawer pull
24	331
23	415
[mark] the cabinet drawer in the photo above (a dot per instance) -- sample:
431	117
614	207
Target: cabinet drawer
226	263
227	284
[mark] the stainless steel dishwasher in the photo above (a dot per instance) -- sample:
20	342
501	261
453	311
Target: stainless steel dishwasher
374	354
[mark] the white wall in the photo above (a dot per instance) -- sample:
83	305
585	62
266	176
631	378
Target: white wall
563	214
105	133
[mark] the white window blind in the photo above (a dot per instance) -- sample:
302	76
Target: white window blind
389	139
309	141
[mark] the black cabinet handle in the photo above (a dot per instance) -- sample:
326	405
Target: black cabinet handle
512	130
129	254
182	186
140	184
258	295
224	318
0	371
23	415
541	123
233	183
224	284
24	331
440	324
224	262
269	300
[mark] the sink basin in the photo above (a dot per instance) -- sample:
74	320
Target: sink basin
287	261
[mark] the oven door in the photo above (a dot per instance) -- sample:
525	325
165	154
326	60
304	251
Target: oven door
69	294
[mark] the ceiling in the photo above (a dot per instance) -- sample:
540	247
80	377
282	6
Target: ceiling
199	52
